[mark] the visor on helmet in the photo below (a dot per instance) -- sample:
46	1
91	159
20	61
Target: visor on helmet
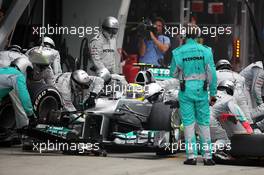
112	31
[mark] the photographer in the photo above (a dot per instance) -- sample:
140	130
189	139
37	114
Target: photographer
152	49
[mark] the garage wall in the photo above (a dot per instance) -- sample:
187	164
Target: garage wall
88	14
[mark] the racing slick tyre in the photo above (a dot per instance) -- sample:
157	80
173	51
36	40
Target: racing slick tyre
160	117
247	145
160	120
45	98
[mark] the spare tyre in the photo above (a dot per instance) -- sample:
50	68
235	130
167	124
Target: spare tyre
247	145
45	98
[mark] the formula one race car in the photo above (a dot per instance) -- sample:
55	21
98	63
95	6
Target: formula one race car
135	125
128	121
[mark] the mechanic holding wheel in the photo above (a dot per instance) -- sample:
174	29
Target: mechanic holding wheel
55	61
14	78
46	61
78	89
194	66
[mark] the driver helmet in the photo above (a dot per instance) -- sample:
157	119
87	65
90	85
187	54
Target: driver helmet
223	64
49	42
135	91
226	85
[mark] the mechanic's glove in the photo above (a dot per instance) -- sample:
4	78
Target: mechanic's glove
93	69
247	126
33	121
90	102
181	127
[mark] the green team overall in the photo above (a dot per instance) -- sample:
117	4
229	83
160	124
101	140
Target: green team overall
13	82
193	65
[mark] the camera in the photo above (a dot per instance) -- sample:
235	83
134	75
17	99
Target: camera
145	27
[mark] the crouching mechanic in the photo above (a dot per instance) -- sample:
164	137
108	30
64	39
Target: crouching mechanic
193	65
13	78
78	90
226	105
104	52
224	72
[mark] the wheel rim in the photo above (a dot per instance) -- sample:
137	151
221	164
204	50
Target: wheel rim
46	105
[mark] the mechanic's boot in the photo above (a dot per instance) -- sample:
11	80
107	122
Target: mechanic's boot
190	162
208	162
4	133
6	137
27	143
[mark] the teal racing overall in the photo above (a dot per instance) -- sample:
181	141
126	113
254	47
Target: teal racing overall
13	80
194	66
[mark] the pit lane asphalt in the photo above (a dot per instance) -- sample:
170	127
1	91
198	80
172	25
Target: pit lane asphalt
13	162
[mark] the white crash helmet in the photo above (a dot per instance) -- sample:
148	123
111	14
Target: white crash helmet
15	48
110	27
49	41
41	55
223	64
258	64
81	79
227	85
22	64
